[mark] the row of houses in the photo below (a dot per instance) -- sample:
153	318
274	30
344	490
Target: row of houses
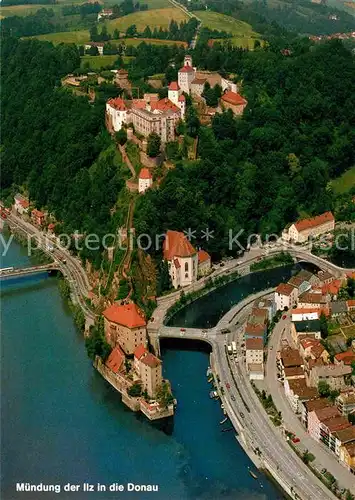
22	206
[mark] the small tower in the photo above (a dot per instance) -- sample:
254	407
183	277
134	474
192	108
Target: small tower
188	61
182	105
145	180
173	92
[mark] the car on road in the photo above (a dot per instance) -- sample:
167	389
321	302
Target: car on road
204	331
228	385
232	398
242	414
295	440
225	330
182	329
284	316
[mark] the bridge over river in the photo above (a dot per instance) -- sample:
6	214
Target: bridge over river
15	272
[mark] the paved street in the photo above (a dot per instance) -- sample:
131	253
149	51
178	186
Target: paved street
324	458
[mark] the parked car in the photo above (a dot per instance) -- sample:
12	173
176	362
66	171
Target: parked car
232	398
228	385
225	330
221	264
296	439
182	329
284	316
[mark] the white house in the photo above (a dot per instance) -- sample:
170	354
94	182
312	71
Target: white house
99	45
117	113
254	351
21	204
104	14
182	259
305	314
301	231
145	180
285	296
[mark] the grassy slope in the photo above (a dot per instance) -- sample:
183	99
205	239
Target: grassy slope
153	18
98	62
78	37
345	182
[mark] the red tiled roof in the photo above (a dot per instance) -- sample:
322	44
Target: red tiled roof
177	245
182	98
348	357
122	71
284	289
115	360
138	103
336	423
151	360
233	98
304	224
51	226
186	69
117	103
254	344
306	310
326	412
350	303
164	105
203	256
332	288
198	81
293	371
145	173
140	351
127	315
251	329
37	213
317	404
174	86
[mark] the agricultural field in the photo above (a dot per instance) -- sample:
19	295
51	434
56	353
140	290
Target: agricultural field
26	10
98	62
152	18
244	42
345	182
153	41
220	22
78	37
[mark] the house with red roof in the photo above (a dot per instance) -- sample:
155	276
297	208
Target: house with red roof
285	296
115	361
116	113
182	259
125	325
301	231
38	217
176	96
145	180
204	263
234	101
21	204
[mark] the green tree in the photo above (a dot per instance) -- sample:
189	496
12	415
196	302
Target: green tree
153	146
333	394
116	34
135	390
164	396
131	30
164	280
121	136
323	388
323	326
93	51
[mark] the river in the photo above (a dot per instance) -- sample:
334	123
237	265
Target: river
61	422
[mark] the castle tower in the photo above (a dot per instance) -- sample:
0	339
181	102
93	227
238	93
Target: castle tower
173	93
188	61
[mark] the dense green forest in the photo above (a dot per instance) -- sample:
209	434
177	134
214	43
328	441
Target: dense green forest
274	164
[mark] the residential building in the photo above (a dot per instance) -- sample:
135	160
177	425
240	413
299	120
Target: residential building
98	45
303	281
116	113
254	351
317	416
267	304
301	231
235	102
305	329
197	86
351	305
285	296
312	405
345	402
343	437
305	314
331	290
293	373
139	352
297	392
125	326
21	204
289	358
310	348
145	180
338	308
347	456
182	259
325	277
38	217
337	376
312	300
204	263
150	373
104	14
255	331
328	427
256	371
